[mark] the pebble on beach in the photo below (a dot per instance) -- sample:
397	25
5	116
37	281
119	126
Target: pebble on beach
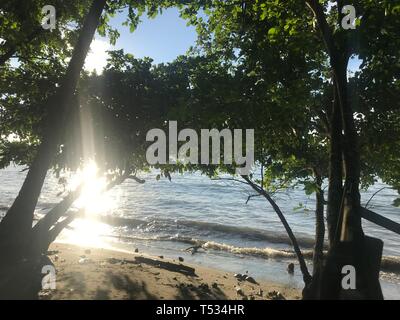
290	268
239	291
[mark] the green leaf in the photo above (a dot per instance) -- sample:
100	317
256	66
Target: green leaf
396	202
272	31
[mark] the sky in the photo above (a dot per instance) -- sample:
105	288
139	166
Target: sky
162	38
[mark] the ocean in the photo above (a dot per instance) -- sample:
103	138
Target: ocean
165	217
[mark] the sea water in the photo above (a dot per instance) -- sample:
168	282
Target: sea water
165	217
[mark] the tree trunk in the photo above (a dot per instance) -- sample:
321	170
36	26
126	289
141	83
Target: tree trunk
335	189
351	225
15	228
313	291
349	246
303	267
49	227
318	255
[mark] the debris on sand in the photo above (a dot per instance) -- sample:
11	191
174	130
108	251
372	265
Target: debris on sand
204	286
251	280
181	259
290	268
113	260
239	291
275	295
194	249
240	276
84	260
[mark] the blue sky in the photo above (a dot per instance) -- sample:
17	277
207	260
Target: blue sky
162	38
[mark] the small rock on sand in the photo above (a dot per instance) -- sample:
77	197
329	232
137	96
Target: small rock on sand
113	260
275	295
239	291
136	250
84	261
290	268
181	259
204	286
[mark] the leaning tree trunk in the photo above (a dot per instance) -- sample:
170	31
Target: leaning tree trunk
49	227
15	228
303	266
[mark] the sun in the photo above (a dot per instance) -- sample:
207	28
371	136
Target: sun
87	233
96	59
93	198
87	230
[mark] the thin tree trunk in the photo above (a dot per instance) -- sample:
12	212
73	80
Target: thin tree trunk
313	291
15	228
303	267
318	255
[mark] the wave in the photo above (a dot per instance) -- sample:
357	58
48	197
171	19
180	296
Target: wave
226	230
212	245
388	264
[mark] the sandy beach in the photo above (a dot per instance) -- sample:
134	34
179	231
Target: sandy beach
101	274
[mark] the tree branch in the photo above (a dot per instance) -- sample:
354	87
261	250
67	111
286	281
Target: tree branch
327	34
13	48
303	267
366	205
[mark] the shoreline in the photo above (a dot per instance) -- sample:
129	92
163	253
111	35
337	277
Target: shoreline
105	274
